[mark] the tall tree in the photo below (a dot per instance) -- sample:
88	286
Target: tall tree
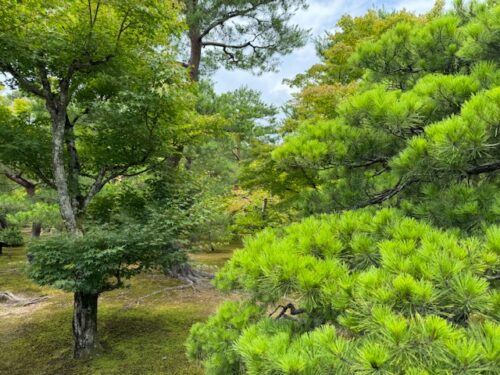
240	34
105	72
68	45
412	125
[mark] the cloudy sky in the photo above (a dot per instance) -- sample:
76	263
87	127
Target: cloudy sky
320	17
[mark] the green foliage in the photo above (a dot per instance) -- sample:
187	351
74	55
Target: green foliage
100	260
396	115
12	236
380	292
212	341
242	34
21	210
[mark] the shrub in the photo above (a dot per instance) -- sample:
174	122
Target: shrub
12	236
370	292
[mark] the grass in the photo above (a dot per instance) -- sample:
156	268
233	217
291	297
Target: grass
137	335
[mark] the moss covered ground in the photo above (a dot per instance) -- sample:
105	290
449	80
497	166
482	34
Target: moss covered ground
142	328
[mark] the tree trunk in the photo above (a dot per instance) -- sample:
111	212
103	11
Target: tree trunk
174	160
36	229
195	41
85	324
237	147
60	176
263	211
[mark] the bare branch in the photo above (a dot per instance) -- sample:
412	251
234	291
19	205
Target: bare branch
293	311
387	193
234	46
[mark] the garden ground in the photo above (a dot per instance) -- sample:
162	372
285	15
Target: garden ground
142	328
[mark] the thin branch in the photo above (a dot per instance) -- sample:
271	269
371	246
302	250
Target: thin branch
234	46
123	27
485	168
387	193
24	83
362	164
230	15
94	189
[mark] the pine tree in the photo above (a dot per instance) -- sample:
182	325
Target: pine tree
418	120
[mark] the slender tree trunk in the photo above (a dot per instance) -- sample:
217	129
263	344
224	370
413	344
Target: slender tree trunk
36	226
36	229
263	211
85	324
60	176
3	223
237	147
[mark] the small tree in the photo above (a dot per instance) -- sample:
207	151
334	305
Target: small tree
98	261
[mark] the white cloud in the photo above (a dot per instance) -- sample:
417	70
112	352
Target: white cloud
320	17
417	6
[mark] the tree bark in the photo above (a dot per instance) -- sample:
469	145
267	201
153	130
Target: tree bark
36	229
195	56
195	41
85	324
60	177
263	211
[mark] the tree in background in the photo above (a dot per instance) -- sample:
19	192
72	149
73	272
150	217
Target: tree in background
240	34
236	34
25	153
114	96
414	124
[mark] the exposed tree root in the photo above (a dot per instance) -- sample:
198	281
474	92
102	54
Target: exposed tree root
188	274
185	273
11	299
11	270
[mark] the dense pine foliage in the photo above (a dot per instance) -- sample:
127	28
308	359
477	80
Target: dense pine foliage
378	292
403	108
402	112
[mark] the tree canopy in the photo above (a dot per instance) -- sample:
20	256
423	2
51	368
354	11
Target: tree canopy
417	120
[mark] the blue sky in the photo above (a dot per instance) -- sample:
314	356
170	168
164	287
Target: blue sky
320	17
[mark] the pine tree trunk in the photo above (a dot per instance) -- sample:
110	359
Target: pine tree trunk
85	324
